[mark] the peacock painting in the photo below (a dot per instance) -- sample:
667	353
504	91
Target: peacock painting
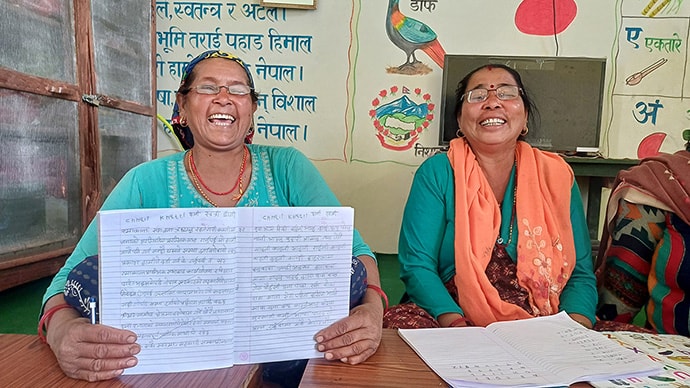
411	35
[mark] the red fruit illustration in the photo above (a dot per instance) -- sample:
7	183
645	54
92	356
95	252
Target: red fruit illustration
650	145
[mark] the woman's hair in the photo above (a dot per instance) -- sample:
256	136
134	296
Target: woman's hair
530	107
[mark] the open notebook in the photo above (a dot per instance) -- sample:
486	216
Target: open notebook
536	352
209	288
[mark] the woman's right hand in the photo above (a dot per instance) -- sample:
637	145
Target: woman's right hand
89	352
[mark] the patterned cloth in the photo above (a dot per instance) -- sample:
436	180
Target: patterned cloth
501	272
648	265
81	285
644	258
603	325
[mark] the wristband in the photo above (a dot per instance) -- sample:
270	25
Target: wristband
43	323
380	292
460	320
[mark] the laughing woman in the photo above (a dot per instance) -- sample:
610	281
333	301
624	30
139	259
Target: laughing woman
213	118
494	230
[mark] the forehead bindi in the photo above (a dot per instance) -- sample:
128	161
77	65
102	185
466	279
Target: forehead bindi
486	78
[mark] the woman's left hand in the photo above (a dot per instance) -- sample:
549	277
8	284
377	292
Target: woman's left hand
355	338
582	320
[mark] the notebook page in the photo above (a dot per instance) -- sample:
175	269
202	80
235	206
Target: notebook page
169	276
474	357
571	351
294	279
536	352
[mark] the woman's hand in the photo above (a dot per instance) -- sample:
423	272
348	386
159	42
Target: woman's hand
89	352
355	338
452	320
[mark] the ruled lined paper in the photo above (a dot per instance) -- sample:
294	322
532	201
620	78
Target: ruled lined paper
209	288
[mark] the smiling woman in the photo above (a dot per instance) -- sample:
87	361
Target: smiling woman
570	114
476	246
213	118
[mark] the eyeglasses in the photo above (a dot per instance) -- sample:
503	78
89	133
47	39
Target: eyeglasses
235	89
504	93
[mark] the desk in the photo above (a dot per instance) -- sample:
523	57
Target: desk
394	365
26	362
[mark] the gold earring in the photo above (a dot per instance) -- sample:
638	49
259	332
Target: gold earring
183	121
524	131
459	133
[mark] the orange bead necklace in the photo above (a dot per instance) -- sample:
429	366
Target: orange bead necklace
238	182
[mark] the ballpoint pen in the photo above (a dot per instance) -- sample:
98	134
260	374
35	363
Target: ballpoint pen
92	309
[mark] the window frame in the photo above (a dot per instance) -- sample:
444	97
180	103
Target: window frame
37	262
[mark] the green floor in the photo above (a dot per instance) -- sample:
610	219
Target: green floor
390	277
19	306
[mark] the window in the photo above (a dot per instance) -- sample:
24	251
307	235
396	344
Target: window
76	99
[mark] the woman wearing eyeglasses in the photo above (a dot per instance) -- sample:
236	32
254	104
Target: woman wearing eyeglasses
494	230
212	118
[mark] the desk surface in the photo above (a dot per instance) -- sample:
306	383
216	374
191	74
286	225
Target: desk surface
26	362
395	364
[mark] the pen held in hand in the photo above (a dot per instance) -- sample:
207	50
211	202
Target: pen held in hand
92	309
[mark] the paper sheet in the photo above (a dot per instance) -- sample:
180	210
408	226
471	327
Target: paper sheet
207	288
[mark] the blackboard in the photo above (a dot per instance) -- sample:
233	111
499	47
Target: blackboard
567	91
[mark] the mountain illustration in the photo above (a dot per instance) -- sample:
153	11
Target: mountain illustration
405	106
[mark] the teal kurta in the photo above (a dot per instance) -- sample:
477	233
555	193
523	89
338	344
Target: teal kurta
426	246
281	176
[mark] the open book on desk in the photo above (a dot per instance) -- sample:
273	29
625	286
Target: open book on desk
536	352
207	288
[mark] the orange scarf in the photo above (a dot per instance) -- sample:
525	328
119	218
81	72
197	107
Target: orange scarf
546	250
